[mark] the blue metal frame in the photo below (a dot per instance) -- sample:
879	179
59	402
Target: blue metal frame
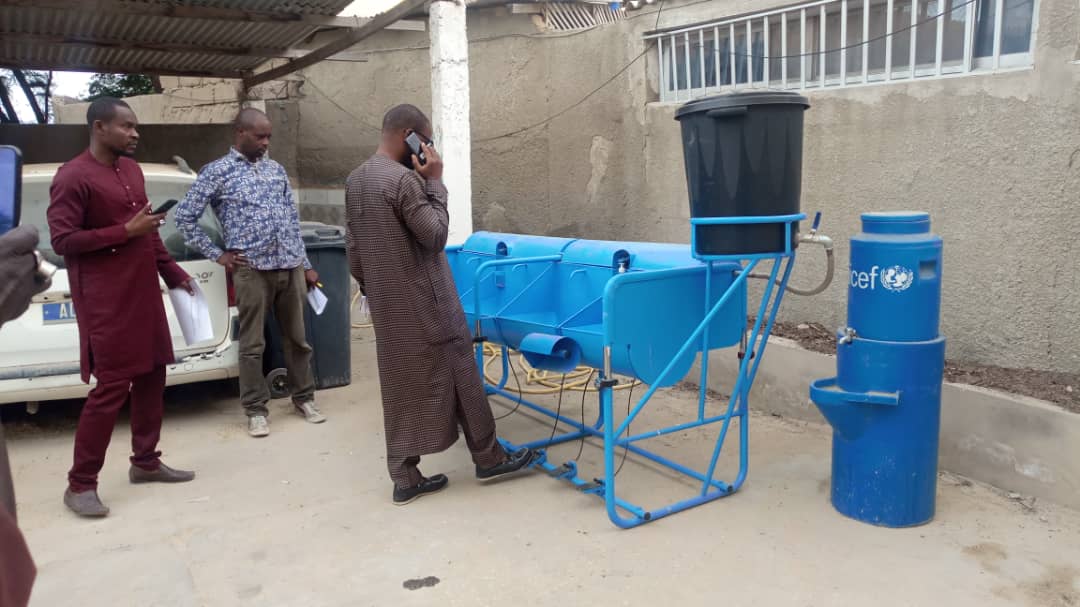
477	278
787	220
612	434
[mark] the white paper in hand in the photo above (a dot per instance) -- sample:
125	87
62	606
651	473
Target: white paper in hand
193	314
317	299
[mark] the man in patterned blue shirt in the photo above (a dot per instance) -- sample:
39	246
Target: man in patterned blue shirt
251	197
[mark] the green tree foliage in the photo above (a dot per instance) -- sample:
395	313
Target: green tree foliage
119	85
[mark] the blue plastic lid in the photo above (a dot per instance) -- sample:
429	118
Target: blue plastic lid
896	222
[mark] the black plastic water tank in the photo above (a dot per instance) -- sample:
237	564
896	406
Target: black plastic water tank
743	155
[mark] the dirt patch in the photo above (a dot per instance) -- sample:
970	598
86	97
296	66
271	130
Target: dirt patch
1062	389
989	554
1059	388
428	582
1056	588
812	336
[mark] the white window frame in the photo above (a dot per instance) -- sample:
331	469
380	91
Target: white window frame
801	28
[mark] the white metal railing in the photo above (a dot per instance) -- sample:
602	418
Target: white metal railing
836	43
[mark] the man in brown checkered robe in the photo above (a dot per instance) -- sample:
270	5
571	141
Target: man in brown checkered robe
397	228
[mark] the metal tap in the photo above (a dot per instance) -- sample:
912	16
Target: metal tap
848	337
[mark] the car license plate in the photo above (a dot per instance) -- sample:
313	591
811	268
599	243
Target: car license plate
58	313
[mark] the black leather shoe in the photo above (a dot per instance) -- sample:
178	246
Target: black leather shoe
516	461
427	486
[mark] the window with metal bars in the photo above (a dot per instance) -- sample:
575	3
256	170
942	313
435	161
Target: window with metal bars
834	43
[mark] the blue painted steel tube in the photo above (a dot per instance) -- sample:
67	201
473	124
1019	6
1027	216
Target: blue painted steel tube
508	261
671	429
609	456
621	512
505	368
477	277
772	315
686	346
576	481
760	219
478	352
560	439
650	276
703	383
584	430
707	221
562	419
687	504
741	385
676	466
719	221
744	424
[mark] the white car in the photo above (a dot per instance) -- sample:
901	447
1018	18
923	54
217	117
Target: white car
39	351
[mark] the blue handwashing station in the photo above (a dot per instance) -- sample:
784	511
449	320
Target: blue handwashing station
644	312
885	403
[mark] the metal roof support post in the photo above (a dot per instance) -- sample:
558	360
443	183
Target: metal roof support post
450	110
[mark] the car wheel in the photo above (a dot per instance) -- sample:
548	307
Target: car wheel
278	382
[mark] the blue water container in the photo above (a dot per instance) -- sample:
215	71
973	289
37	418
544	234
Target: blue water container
885	403
894	283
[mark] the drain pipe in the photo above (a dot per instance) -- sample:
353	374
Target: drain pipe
812	238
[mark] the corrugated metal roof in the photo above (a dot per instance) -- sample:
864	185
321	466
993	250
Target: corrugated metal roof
305	7
138	36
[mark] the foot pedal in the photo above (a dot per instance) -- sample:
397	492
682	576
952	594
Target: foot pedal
539	457
596	487
567	470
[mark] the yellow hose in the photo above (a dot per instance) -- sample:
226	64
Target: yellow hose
548	382
537	382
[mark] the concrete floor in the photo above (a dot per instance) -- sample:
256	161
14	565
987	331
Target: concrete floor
303	518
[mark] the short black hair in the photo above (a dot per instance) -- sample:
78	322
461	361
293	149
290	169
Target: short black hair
246	118
104	109
405	116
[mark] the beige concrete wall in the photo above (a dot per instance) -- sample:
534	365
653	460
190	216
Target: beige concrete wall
201	102
569	177
183	101
995	159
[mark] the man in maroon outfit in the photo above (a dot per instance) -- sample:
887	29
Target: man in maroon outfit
100	221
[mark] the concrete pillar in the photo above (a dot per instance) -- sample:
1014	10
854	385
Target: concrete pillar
450	110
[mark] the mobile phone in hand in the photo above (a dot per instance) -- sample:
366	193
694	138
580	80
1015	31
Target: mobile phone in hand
165	207
414	142
10	187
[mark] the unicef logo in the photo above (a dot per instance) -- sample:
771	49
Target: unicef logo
897	279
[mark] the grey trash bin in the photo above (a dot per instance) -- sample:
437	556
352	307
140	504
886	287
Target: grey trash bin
327	333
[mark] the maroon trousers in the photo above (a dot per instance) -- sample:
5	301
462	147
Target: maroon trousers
17	570
98	418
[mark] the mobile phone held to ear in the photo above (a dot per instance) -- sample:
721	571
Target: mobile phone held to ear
414	142
165	207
